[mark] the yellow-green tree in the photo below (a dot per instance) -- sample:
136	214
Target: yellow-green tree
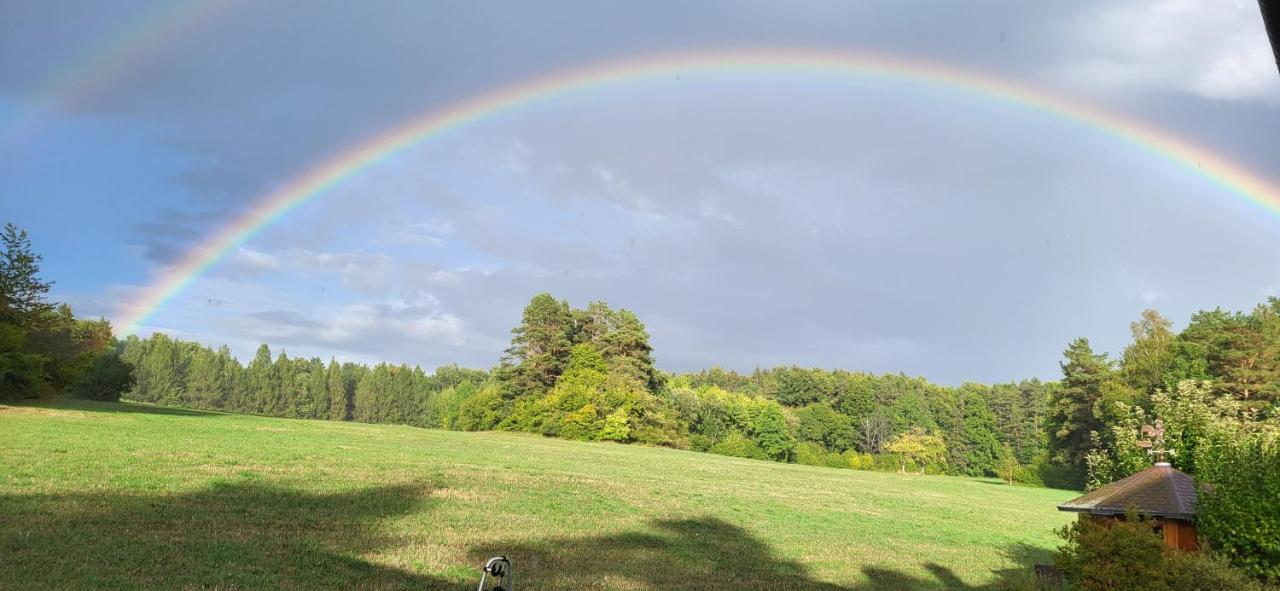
919	447
1007	464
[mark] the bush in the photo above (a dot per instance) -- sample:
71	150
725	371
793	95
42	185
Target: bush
1206	571
21	370
885	463
835	460
810	454
1127	555
104	377
1053	474
1237	513
739	446
861	461
1130	555
483	410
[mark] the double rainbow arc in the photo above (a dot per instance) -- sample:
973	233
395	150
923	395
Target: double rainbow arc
146	35
265	211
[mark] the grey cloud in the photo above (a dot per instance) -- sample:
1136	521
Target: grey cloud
173	232
842	223
288	318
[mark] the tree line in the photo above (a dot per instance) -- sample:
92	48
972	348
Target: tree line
588	374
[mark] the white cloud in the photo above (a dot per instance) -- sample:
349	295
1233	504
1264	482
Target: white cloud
1216	50
358	322
257	259
433	327
444	277
372	273
352	321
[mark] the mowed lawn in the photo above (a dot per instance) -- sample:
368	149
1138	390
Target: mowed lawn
100	495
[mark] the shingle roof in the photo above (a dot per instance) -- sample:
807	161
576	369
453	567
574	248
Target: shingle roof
1159	491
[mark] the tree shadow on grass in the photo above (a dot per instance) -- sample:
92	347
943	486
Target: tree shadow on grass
708	553
227	536
124	407
246	535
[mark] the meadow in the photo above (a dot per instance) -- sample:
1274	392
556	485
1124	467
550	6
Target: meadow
122	496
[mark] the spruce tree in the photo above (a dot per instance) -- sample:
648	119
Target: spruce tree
259	382
1074	413
540	347
22	293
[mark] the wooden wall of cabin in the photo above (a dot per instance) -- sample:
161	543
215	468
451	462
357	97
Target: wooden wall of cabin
1176	532
1179	534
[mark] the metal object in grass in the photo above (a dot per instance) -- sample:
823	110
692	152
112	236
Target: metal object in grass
499	568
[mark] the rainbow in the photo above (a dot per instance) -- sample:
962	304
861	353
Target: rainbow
435	123
145	35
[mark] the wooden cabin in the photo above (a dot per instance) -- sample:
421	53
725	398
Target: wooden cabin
1160	492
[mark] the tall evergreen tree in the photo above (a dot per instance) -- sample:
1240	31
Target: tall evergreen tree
22	293
540	347
1074	413
260	382
626	348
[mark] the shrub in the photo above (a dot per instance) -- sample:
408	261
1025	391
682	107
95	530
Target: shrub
835	460
1126	555
739	446
810	454
483	410
104	377
21	370
1237	513
885	463
1129	555
1206	571
1028	475
861	461
701	442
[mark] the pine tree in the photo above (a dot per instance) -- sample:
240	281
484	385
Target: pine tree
259	382
1074	413
626	348
540	347
22	293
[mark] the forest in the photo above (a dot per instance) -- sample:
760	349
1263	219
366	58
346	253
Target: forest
589	374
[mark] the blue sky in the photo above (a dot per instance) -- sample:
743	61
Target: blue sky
750	219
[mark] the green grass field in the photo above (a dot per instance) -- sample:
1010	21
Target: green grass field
99	495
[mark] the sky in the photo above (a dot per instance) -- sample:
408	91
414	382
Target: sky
751	218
